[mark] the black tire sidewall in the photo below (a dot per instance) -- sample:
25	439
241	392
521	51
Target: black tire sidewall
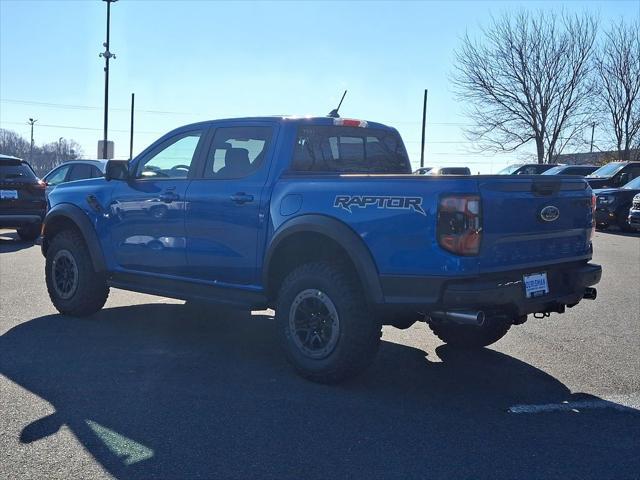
622	216
91	290
352	313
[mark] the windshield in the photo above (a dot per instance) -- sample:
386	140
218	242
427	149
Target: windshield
509	170
553	171
608	170
633	184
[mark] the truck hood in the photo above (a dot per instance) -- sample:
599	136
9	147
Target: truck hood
605	191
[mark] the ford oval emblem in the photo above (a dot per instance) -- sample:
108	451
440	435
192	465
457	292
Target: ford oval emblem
549	213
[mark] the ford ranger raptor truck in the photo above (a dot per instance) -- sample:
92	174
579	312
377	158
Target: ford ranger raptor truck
321	220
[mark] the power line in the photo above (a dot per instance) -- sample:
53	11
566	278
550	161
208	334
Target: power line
167	112
437	141
87	107
161	133
70	127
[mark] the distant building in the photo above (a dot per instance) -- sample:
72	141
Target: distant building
593	158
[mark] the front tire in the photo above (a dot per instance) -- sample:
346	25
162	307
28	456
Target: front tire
471	336
328	331
29	233
623	219
74	287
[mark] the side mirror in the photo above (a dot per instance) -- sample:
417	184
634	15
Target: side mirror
624	178
116	170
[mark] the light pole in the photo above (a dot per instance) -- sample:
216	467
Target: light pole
31	122
107	55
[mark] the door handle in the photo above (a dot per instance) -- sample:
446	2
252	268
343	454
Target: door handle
241	198
168	196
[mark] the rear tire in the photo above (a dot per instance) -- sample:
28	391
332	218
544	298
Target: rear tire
470	336
328	331
74	287
623	220
29	233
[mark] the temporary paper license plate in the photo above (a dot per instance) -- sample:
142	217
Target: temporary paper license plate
535	285
9	194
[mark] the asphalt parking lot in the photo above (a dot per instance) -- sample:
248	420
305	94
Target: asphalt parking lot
146	389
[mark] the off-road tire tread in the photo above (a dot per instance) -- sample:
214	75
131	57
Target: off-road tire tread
92	291
356	351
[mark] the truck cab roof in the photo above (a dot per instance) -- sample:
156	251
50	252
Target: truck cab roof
289	120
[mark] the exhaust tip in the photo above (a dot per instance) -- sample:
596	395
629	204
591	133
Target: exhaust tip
460	317
590	293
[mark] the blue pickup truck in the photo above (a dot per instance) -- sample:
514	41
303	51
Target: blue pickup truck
321	220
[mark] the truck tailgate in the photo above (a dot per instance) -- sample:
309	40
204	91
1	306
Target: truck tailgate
528	221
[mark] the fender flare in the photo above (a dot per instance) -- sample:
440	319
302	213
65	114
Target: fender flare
344	236
82	222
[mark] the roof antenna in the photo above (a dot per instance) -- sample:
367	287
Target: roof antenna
334	113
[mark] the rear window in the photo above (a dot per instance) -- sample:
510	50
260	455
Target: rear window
16	172
331	149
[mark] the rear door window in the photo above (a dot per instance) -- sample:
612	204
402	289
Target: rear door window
332	149
237	152
634	172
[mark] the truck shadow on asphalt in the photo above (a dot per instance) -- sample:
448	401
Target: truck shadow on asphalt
155	391
11	242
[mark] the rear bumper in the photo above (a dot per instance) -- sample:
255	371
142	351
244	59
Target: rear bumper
19	220
503	291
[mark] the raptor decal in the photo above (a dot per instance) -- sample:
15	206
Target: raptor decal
347	202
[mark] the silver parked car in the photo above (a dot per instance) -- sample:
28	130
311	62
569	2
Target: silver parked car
74	170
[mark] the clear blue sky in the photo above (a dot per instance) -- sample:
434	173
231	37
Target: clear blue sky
202	59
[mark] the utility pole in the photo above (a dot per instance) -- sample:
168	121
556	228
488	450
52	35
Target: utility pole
107	56
133	98
593	127
31	122
424	126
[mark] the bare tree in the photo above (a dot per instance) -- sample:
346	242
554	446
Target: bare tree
13	144
618	67
528	80
44	158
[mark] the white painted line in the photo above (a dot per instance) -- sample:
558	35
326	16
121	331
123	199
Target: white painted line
629	404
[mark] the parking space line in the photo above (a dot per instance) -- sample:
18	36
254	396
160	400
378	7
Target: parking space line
627	403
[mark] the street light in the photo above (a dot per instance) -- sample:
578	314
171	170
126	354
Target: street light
107	56
31	122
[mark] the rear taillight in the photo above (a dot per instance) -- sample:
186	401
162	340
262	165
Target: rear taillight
38	188
459	226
